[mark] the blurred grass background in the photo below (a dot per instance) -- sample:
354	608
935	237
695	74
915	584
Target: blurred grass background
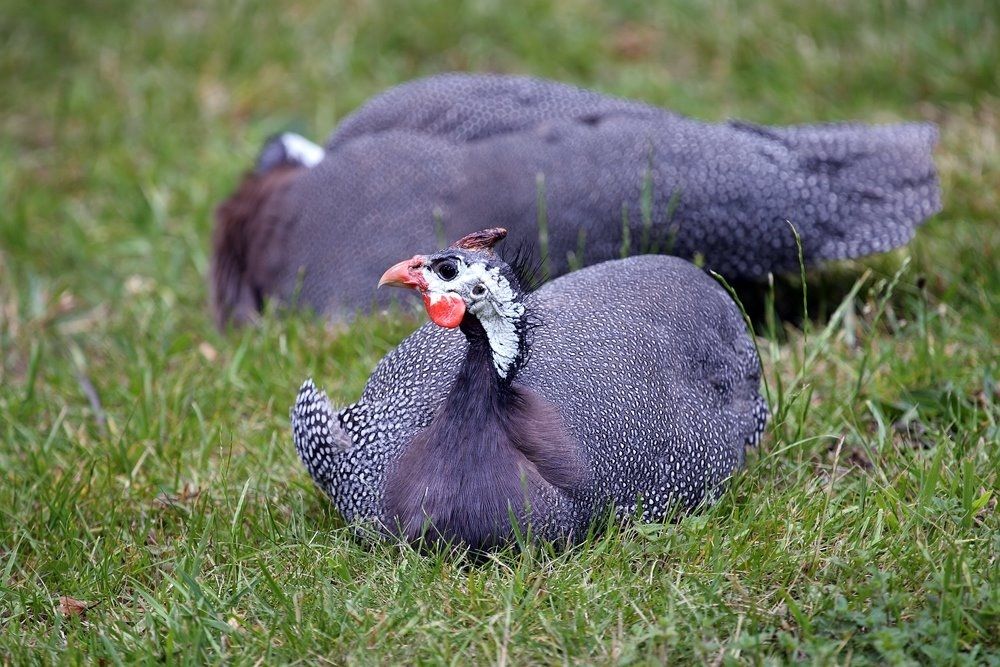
146	462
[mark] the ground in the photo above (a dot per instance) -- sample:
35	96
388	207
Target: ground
152	507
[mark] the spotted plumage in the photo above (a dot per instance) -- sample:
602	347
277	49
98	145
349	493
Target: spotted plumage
638	371
449	153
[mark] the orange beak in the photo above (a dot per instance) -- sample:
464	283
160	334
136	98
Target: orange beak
406	274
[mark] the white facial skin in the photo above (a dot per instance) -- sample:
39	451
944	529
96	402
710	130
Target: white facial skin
489	296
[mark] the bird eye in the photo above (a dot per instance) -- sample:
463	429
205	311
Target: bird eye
479	291
446	270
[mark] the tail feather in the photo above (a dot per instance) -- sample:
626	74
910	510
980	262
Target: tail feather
317	432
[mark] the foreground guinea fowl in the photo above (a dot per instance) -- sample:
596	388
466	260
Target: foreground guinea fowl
429	158
631	385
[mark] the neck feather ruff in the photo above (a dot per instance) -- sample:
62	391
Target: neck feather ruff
495	454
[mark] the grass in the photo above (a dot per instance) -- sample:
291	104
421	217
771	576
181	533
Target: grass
146	462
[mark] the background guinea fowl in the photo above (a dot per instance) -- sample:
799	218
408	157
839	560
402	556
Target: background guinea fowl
468	149
630	379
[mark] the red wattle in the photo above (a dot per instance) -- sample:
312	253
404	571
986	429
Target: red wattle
445	310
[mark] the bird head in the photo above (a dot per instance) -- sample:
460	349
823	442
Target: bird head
469	283
467	278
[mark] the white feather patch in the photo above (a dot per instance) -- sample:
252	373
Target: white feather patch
498	312
301	150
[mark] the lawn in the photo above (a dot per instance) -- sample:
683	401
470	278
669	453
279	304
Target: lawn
146	461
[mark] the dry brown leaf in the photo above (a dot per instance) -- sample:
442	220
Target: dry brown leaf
136	285
207	351
72	607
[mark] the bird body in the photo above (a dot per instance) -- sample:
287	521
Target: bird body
633	386
442	155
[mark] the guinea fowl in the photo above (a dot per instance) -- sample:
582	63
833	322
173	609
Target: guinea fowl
630	386
428	158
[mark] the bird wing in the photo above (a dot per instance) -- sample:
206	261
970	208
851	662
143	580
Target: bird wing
652	368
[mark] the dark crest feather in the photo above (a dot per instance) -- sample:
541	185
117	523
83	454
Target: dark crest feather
526	265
